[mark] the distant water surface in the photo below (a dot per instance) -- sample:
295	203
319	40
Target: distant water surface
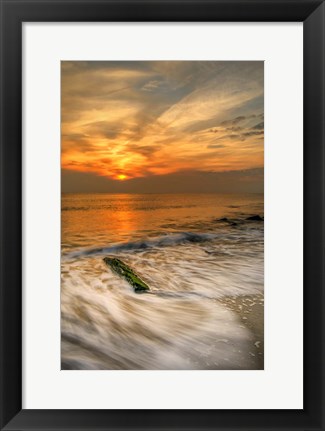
191	249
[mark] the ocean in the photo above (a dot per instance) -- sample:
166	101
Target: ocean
194	251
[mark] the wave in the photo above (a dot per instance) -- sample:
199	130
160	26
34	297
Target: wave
163	241
172	239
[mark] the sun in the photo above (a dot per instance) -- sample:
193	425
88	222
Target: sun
121	177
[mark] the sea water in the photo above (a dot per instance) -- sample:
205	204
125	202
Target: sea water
191	250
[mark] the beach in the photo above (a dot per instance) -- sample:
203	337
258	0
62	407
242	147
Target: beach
250	310
202	258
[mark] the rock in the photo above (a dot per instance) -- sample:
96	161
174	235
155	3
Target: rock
127	273
255	218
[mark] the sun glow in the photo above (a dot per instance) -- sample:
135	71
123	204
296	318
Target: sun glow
122	121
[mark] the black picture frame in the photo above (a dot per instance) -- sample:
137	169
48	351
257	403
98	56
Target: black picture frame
13	14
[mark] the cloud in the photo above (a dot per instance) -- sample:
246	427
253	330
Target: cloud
160	118
253	133
234	121
153	85
216	146
244	181
259	126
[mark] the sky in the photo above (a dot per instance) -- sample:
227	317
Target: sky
146	126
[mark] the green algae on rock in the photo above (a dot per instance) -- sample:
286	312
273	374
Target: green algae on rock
127	273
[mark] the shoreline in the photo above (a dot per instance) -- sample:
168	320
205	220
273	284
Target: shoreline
250	311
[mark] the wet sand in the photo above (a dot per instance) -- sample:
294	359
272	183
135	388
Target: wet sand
250	311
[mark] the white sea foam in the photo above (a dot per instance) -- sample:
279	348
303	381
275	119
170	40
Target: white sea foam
189	265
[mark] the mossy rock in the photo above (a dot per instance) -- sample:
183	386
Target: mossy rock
123	270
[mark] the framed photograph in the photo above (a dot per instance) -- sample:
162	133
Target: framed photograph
162	196
162	215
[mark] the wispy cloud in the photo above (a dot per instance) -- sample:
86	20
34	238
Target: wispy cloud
155	118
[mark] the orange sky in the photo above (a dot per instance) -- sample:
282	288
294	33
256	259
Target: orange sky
125	120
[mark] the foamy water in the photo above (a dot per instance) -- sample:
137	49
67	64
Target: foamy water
188	255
